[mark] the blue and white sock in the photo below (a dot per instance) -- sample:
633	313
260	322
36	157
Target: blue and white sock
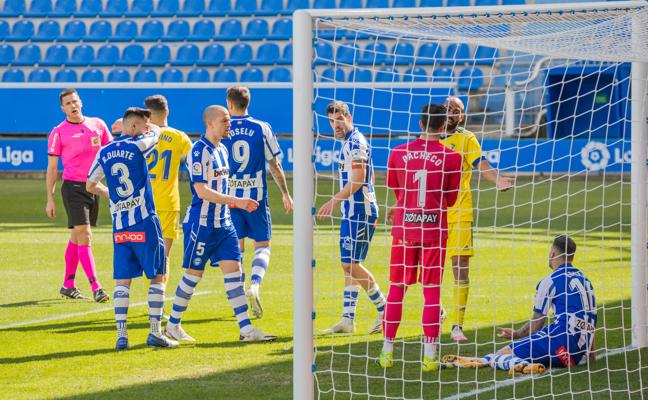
350	302
242	268
155	303
260	264
185	290
121	297
504	361
377	298
236	297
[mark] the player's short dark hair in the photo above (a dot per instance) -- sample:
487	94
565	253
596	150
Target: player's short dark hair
338	106
239	96
137	112
65	93
433	117
156	103
565	246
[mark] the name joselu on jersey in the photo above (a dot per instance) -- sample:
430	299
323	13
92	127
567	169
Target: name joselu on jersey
421	218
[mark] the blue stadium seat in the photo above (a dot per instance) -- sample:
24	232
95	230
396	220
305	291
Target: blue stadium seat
218	8
152	31
4	30
267	54
332	74
55	55
324	4
279	74
132	55
48	31
188	54
82	55
7	54
252	75
158	55
442	75
470	79
125	31
377	4
485	55
145	75
458	3
387	75
114	8
240	54
270	7
13	75
347	53
198	75
74	31
281	29
166	8
374	53
350	3
230	29
106	55
140	8
401	54
323	53
100	31
21	31
63	8
89	8
416	74
404	3
213	54
456	54
92	75
39	9
287	55
172	75
119	75
203	30
360	75
66	75
479	3
513	2
428	54
192	8
225	75
296	5
28	55
12	8
177	31
431	3
256	29
244	8
39	75
331	34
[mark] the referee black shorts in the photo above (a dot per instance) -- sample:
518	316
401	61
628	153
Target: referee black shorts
82	207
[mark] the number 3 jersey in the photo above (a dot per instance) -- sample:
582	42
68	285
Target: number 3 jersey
123	163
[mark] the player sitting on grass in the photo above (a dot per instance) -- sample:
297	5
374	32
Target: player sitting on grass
568	341
139	245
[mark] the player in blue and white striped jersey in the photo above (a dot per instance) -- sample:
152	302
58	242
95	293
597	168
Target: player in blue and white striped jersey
208	231
250	145
359	216
567	341
139	246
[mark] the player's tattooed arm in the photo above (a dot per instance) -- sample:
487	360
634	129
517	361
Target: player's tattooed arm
280	178
536	323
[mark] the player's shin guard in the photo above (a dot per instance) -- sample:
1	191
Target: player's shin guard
71	264
156	302
377	298
185	290
504	362
393	311
121	298
350	302
461	290
88	264
431	318
260	264
236	297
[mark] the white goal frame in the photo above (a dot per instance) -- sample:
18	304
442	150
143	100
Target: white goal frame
304	176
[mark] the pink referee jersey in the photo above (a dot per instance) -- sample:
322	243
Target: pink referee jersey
77	144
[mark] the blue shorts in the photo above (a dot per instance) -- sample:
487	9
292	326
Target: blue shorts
550	346
355	236
256	225
139	248
203	243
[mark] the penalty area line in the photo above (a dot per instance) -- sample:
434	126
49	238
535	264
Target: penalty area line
511	381
81	313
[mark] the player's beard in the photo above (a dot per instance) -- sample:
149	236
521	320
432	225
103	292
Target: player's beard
452	124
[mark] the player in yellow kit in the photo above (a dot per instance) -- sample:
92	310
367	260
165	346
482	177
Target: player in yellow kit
460	216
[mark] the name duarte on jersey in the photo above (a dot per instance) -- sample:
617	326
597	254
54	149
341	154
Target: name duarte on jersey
423	218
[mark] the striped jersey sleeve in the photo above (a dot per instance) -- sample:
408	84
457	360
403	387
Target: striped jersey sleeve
271	145
545	291
96	172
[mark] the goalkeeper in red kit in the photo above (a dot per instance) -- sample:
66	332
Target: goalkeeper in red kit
425	177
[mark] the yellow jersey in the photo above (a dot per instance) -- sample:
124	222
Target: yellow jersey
465	143
164	167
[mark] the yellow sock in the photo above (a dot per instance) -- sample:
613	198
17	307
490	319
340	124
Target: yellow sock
461	289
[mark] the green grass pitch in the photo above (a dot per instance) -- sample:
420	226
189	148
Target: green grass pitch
69	353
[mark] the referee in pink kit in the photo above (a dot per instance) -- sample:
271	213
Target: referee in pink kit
76	141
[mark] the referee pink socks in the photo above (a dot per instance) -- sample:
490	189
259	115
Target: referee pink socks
71	263
87	263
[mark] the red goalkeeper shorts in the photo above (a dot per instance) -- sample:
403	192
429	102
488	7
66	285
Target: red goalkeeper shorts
408	258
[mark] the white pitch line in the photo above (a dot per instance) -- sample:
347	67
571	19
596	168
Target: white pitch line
77	314
509	382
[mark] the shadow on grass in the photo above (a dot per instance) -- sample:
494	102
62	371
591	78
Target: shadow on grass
33	303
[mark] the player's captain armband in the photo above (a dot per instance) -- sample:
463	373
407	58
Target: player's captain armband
196	168
357	164
132	237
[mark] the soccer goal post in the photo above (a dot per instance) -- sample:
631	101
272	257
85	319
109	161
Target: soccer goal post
557	96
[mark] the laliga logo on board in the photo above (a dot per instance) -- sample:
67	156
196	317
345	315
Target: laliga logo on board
595	156
16	157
